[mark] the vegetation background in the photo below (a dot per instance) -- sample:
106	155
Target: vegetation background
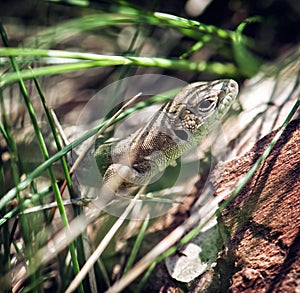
55	56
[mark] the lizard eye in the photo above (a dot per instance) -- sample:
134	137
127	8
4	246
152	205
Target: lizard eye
206	105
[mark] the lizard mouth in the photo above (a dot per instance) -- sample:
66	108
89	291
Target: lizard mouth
227	95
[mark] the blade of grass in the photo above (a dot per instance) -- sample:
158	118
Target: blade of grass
55	135
26	235
97	60
196	47
34	198
104	242
44	150
96	254
80	253
124	16
137	245
248	63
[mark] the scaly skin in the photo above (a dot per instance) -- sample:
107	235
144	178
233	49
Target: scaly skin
180	124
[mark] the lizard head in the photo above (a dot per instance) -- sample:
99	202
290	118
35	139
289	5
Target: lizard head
200	104
208	98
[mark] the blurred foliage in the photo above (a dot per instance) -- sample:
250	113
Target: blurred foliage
231	38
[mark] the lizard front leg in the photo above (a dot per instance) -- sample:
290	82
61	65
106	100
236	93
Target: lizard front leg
120	176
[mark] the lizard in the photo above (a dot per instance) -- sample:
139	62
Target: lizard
180	124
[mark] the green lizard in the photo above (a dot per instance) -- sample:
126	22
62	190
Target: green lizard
180	124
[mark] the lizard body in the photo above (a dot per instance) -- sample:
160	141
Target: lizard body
180	124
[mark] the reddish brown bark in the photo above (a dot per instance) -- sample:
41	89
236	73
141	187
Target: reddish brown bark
261	224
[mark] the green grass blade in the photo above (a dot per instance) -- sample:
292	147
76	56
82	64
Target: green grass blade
43	148
136	245
97	60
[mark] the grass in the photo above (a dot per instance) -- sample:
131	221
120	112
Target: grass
30	234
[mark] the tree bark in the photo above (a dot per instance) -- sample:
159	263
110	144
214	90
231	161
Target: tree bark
261	225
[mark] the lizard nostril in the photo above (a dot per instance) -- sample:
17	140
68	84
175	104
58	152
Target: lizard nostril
233	86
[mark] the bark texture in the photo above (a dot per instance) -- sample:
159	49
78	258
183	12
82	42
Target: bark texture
261	226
